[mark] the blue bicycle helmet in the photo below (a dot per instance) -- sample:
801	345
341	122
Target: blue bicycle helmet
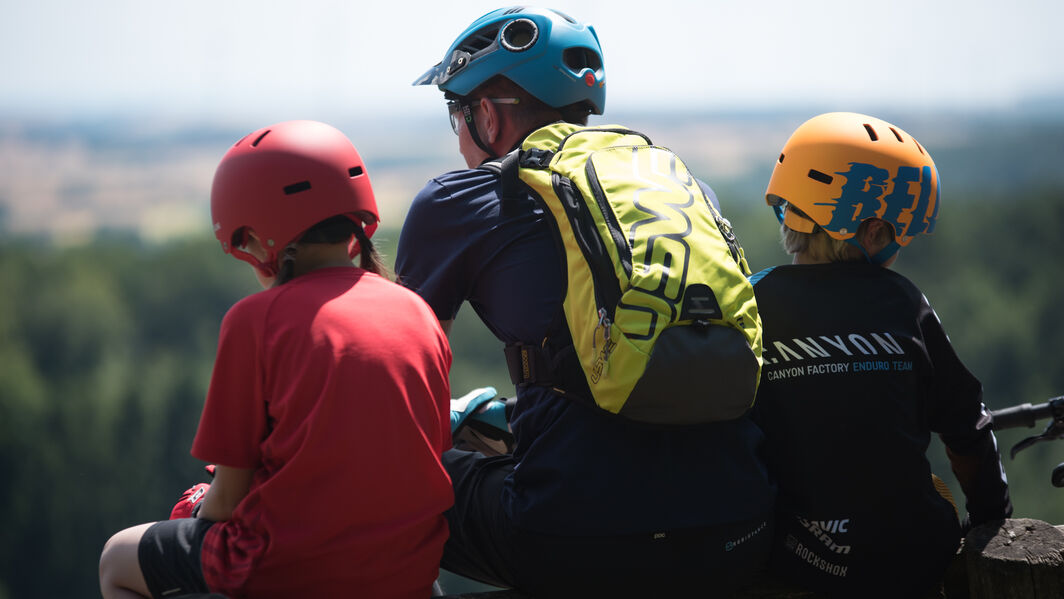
551	55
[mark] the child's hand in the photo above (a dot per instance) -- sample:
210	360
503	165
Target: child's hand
186	506
190	499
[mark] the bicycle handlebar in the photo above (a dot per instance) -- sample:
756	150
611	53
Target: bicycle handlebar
1022	415
1027	415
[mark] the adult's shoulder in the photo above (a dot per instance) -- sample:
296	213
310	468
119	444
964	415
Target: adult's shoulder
453	201
465	176
458	183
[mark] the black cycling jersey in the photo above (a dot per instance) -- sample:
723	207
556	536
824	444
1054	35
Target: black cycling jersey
858	373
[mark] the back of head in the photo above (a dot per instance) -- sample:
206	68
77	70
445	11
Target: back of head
841	169
557	59
282	180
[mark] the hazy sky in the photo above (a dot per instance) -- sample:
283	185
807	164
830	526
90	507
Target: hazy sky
316	58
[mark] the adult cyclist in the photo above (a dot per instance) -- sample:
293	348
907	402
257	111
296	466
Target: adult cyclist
587	502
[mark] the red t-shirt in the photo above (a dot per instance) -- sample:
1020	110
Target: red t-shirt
334	388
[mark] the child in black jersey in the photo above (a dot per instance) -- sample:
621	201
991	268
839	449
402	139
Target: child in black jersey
858	371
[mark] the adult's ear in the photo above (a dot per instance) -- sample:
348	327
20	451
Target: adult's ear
491	128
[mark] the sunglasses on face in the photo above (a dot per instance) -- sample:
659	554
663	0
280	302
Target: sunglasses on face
465	107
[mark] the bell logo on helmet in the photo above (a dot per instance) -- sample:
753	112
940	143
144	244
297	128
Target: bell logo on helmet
864	196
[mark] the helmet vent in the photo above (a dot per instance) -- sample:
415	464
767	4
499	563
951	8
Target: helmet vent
296	188
354	171
579	59
479	40
871	132
781	159
896	134
918	146
258	139
519	35
514	10
822	177
239	238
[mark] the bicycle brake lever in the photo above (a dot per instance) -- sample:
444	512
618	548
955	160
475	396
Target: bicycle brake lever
1055	430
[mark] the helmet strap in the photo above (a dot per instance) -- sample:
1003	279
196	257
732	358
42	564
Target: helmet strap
879	257
471	126
886	253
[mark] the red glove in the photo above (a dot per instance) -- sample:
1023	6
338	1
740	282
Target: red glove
186	507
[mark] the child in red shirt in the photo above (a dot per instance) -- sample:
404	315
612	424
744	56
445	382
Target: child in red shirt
328	409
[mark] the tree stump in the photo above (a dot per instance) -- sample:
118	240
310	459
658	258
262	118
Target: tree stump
1015	559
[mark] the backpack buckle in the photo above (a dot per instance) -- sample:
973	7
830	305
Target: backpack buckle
536	158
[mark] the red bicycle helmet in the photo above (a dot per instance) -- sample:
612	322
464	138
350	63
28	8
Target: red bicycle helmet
282	180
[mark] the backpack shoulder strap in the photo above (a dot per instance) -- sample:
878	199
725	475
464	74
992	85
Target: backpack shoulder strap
512	192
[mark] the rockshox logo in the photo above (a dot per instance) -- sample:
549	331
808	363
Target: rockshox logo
805	554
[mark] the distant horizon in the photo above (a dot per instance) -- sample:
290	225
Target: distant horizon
1039	107
69	179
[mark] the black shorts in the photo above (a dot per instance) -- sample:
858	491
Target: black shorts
169	555
486	546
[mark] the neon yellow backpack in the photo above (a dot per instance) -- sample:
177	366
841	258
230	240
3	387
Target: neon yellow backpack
662	326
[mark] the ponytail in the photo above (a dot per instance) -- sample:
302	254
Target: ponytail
286	265
337	229
369	258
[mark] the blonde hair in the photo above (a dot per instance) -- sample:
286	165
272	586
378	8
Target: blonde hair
821	247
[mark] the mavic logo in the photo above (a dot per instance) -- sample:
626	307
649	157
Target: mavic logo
871	192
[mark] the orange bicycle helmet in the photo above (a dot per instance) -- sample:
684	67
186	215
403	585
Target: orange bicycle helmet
284	179
843	168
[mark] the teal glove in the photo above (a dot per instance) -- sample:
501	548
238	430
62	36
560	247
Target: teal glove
467	406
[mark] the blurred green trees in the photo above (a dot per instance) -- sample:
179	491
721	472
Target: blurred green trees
106	351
